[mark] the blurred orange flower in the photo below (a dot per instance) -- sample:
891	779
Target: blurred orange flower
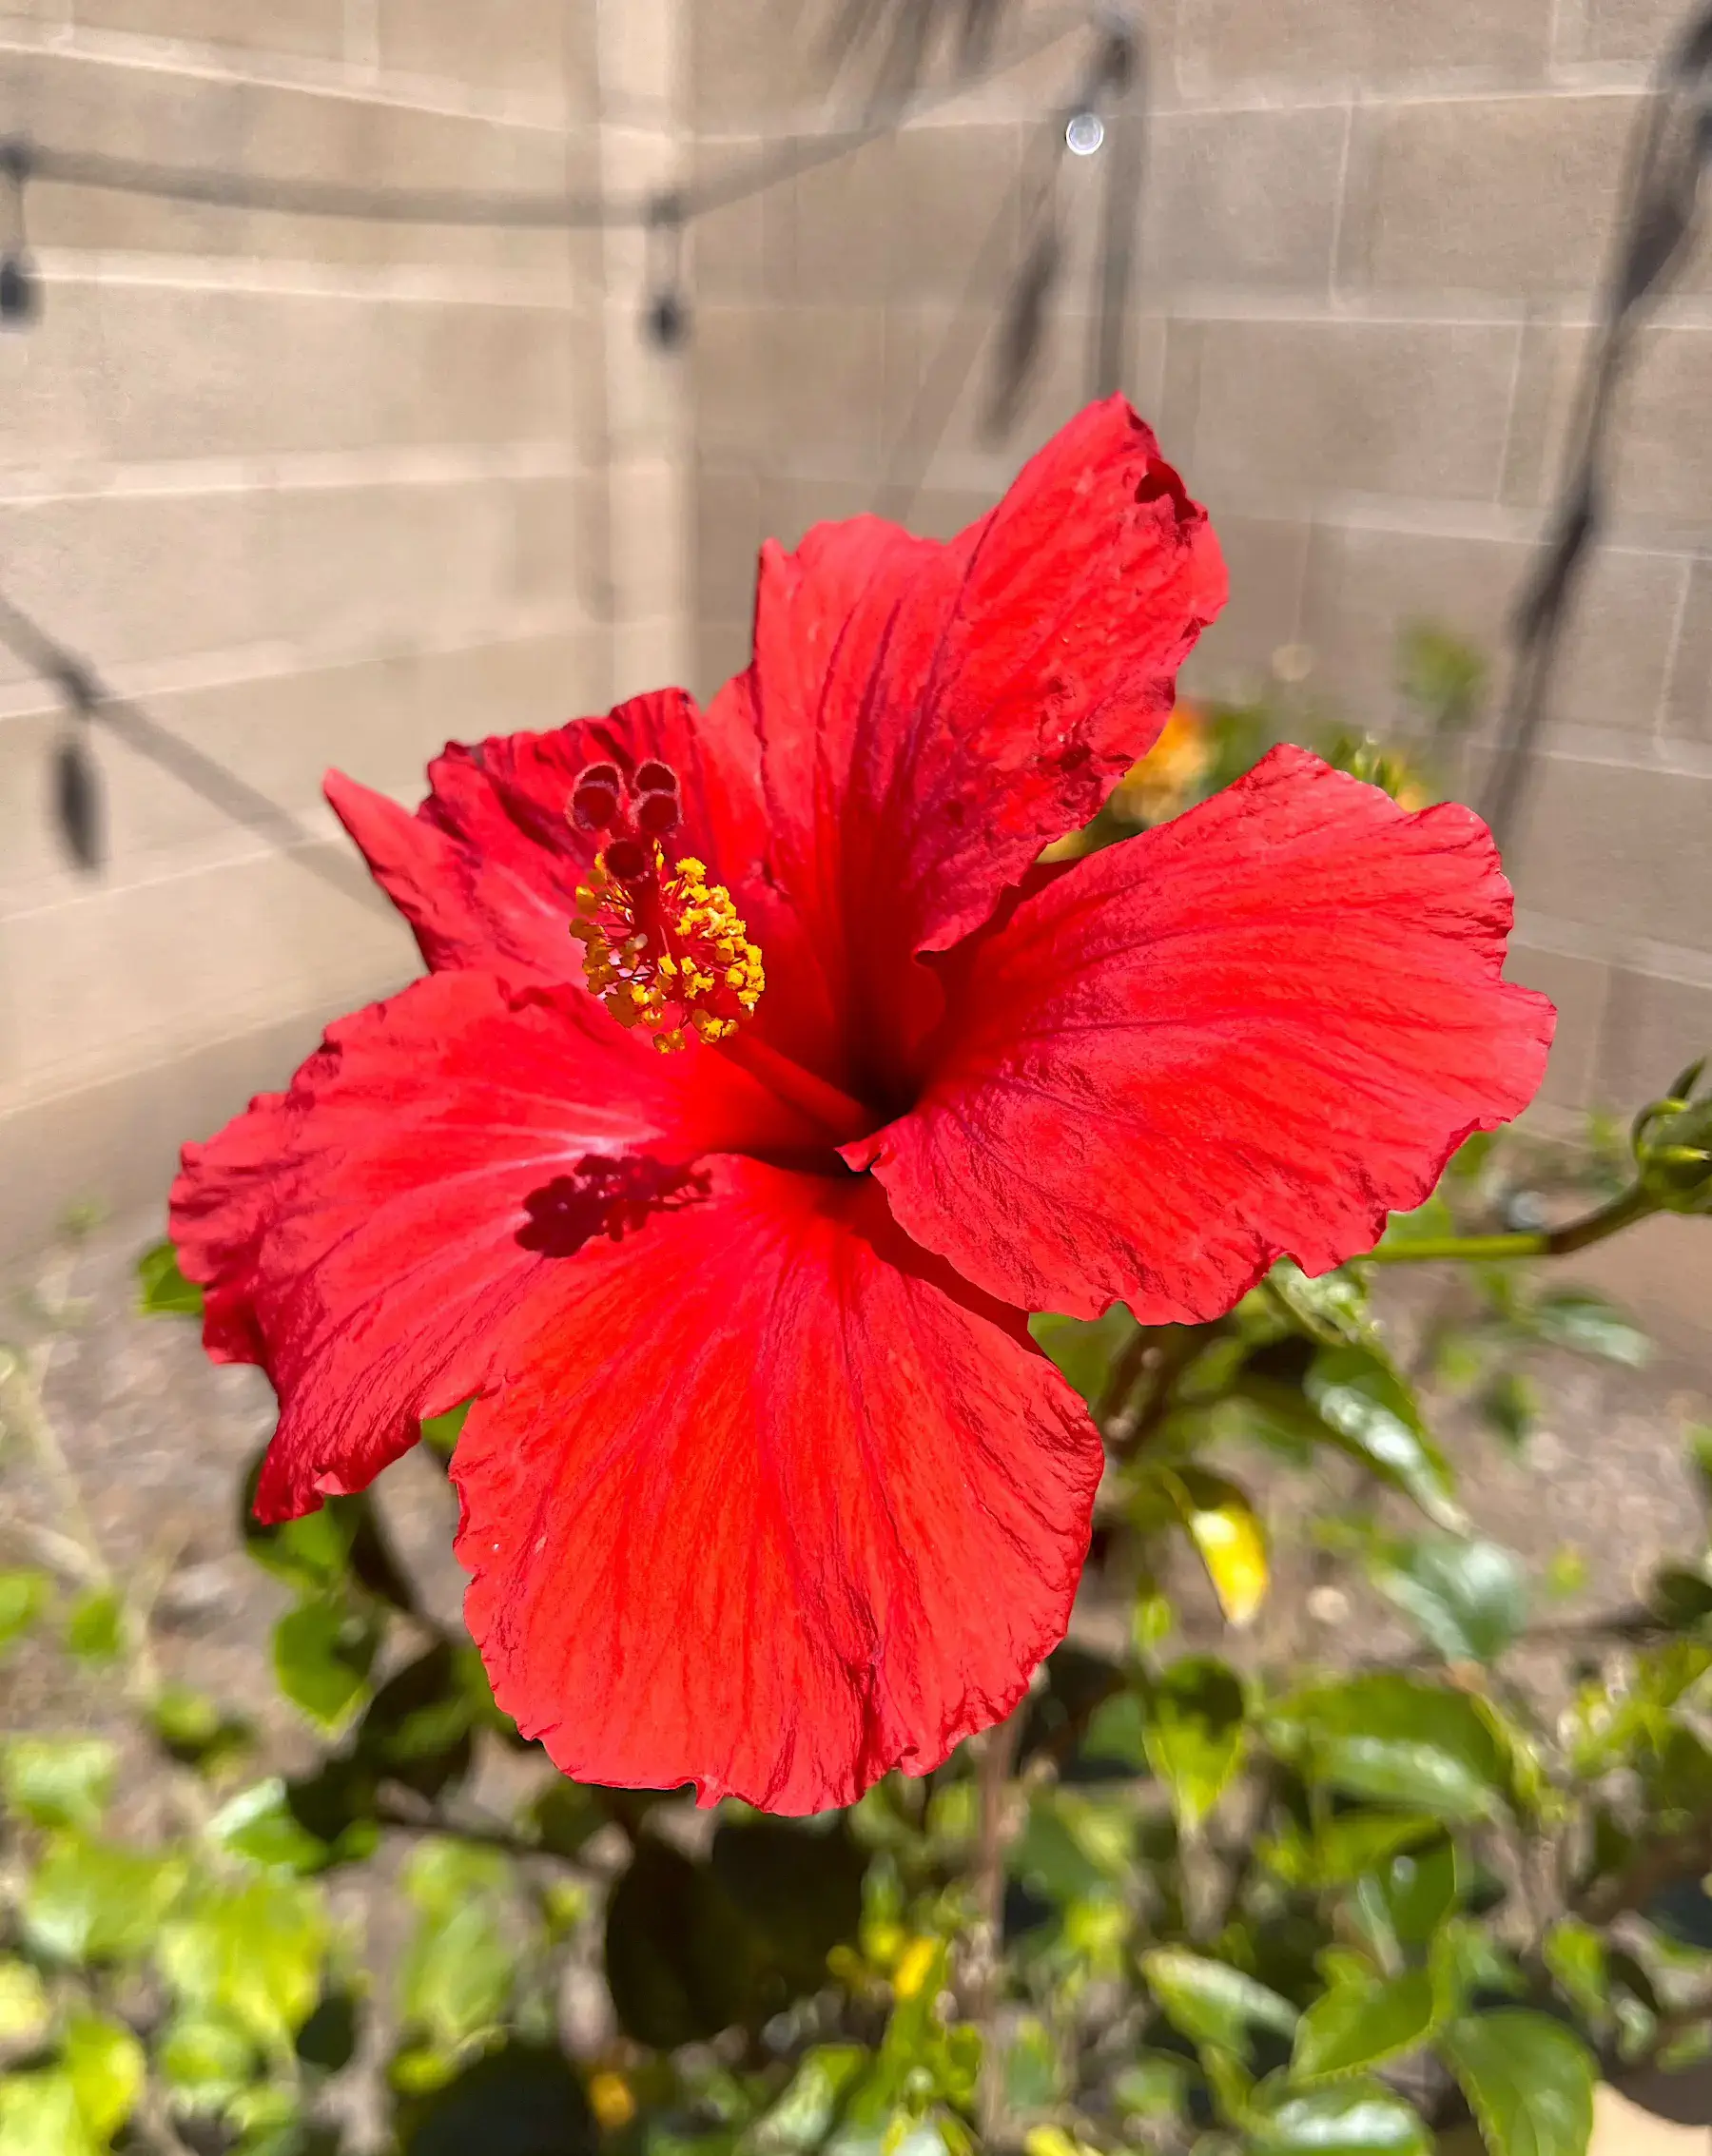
1155	785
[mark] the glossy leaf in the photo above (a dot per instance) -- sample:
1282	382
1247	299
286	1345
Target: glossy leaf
1228	1536
1345	1846
1528	2080
1397	1739
1417	1889
1210	2003
259	1825
1574	1317
416	1729
322	1653
1374	1416
1467	1600
1362	2023
1574	1955
1194	1733
162	1290
1353	2118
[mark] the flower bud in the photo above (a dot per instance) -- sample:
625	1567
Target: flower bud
1673	1146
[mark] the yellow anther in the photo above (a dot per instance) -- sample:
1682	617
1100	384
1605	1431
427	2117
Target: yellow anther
657	948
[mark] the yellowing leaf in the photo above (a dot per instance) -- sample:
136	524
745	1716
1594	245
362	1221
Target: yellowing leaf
1227	1533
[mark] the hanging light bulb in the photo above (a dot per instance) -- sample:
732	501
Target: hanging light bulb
666	315
19	286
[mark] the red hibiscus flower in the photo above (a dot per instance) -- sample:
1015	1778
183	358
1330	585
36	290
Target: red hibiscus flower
761	1083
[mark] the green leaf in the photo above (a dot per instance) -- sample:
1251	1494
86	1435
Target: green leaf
106	2068
520	2100
1680	1599
1572	1317
798	1890
95	1626
1345	1846
1510	1407
196	1730
416	1729
445	1873
39	2116
1467	1600
1417	1889
441	1432
456	1979
1396	1740
1085	1350
1210	2003
1575	1959
253	1953
323	1654
162	1290
258	1824
1355	2118
1371	1414
808	2111
1154	2087
677	1951
59	1782
24	2004
95	1901
1528	2080
206	2058
1358	2024
1194	1733
1334	1305
1428	1223
23	1598
1227	1534
1032	2071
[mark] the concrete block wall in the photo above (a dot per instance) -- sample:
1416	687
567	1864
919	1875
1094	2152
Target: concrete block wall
308	491
1374	235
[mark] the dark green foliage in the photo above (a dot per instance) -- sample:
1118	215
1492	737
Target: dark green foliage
1244	1901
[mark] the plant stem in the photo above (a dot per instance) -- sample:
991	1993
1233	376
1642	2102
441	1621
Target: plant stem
1545	1242
994	1785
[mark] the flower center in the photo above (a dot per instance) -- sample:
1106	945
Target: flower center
663	950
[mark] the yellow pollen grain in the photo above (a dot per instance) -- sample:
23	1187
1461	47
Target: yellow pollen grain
655	989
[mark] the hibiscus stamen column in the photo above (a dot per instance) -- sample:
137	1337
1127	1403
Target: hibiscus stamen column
666	950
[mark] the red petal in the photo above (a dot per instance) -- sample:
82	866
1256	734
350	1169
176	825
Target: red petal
1253	1031
774	1503
486	869
932	715
366	1235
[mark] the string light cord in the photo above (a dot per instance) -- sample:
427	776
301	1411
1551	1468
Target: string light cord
1664	214
228	189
